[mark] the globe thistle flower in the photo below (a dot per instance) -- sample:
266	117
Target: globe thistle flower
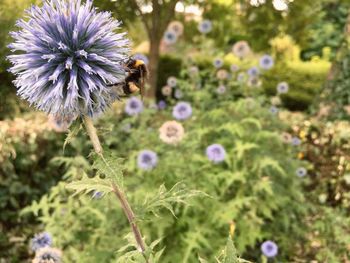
218	63
241	49
301	172
177	27
273	110
182	110
221	89
147	160
241	77
60	123
269	249
41	240
178	94
68	54
253	72
282	87
266	62
205	26
216	153
234	68
133	106
222	74
254	82
167	90
48	255
142	57
170	37
171	132
295	141
161	105
172	82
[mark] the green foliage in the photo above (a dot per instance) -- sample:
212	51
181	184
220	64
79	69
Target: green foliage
26	173
328	29
337	92
168	66
304	85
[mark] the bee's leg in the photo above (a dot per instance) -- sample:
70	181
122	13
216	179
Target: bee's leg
132	87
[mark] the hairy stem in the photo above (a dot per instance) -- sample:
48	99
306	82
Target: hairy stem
91	130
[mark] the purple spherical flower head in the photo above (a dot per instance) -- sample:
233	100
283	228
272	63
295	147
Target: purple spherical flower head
221	89
301	172
170	37
134	106
147	160
282	87
161	105
253	71
142	57
273	110
41	240
171	82
68	55
182	110
295	141
266	62
218	63
269	249
216	153
178	94
205	26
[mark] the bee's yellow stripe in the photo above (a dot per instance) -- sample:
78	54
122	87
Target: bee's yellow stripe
139	62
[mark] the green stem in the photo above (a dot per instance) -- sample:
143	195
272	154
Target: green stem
91	130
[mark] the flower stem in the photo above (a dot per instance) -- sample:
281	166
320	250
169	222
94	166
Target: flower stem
91	130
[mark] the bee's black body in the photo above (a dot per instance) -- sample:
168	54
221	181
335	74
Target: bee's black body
134	81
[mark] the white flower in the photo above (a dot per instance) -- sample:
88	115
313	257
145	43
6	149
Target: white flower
241	49
222	74
171	132
177	27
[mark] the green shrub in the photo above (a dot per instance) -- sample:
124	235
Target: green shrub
304	85
27	147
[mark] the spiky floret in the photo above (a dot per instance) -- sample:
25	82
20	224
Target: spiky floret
66	55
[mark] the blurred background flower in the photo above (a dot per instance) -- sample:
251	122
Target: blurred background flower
147	160
269	249
171	132
182	110
41	240
216	153
133	106
205	26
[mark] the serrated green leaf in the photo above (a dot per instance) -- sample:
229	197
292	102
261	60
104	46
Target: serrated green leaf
110	166
87	185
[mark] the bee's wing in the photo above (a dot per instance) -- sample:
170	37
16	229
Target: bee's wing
142	84
118	89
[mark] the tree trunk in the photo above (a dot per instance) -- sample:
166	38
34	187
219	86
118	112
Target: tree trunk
154	53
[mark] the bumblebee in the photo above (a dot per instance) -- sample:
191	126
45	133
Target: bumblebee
137	73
